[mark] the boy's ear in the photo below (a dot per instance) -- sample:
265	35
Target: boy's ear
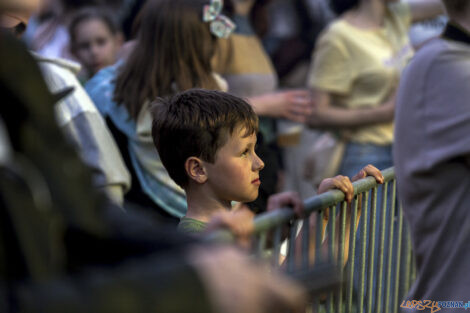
195	169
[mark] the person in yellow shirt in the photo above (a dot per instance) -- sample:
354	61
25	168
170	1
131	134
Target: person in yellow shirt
357	63
356	67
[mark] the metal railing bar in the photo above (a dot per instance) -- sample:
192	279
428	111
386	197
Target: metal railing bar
262	238
397	274
364	231
268	220
370	277
291	259
331	248
277	246
352	252
306	243
390	250
382	247
342	236
319	238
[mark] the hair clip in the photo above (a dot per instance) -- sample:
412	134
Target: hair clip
221	26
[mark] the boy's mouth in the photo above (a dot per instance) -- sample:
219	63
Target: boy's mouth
256	181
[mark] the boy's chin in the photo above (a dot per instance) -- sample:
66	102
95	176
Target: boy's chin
250	198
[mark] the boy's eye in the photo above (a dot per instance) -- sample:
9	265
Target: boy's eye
245	152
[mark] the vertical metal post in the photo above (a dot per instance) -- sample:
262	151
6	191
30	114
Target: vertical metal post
352	251
306	243
370	295
291	251
277	246
365	209
397	274
260	249
382	246
342	237
390	249
331	249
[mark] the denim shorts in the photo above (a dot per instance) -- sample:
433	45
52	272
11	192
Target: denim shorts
357	155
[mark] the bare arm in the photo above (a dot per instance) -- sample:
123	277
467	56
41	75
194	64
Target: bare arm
425	9
293	105
325	115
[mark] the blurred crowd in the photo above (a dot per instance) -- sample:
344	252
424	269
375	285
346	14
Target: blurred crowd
94	216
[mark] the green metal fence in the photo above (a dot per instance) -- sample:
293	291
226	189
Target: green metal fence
367	241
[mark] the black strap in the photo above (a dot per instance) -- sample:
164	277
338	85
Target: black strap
454	31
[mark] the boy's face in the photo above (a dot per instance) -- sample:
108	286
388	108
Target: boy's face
234	176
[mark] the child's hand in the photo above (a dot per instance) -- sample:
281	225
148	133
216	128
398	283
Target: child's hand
338	182
286	199
369	170
238	222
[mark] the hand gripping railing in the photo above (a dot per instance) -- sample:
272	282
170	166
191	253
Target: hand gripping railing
367	241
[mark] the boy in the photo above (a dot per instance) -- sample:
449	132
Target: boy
206	141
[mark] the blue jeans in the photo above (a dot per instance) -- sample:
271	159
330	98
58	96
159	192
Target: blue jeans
355	158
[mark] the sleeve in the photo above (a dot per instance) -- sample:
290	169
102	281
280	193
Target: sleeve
402	12
84	126
330	70
98	150
448	108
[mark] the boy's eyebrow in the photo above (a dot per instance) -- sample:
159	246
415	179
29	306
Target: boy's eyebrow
252	143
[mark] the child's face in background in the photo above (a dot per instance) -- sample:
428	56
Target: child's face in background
96	46
234	176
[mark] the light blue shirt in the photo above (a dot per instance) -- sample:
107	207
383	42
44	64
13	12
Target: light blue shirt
152	175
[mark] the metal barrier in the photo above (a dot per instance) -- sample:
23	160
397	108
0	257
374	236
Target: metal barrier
367	243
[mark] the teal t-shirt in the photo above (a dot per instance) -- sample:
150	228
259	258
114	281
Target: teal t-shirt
191	226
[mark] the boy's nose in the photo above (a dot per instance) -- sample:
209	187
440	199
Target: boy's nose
258	164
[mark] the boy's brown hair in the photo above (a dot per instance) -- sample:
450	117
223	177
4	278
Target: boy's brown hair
197	123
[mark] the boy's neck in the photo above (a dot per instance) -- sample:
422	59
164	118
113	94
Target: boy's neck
202	207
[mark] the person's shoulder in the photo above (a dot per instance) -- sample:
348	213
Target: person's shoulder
103	77
400	11
336	33
438	51
425	55
59	66
399	8
334	28
100	87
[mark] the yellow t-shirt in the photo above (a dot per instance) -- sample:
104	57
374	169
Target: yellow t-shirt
360	68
